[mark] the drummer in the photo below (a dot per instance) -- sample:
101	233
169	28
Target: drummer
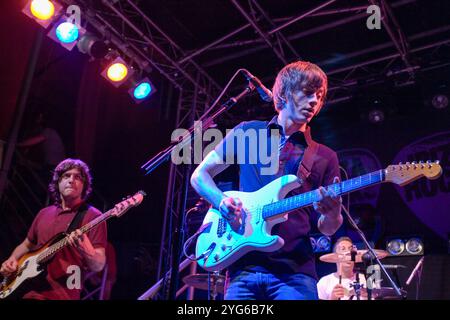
338	285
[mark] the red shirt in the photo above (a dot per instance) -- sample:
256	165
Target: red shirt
49	222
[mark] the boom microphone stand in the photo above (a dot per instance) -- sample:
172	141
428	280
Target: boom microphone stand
164	156
370	249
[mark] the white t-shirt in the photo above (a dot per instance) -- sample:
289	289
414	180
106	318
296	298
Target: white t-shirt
327	283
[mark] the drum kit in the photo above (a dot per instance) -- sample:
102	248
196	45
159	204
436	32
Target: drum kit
363	256
213	282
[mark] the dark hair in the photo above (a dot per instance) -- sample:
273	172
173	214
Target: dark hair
61	168
298	75
340	240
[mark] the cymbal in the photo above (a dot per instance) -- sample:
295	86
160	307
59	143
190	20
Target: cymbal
341	257
387	293
200	281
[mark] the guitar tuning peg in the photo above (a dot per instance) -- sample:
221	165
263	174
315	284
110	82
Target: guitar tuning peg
428	161
400	163
420	161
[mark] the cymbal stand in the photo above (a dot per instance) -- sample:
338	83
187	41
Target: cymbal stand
212	281
372	252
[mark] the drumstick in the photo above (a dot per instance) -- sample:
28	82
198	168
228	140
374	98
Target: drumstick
340	275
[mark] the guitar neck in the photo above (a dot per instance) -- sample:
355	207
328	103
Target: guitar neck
306	199
50	251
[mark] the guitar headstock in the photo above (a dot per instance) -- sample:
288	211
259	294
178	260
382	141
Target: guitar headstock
404	173
120	208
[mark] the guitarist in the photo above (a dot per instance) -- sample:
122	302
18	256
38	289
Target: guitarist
289	273
69	188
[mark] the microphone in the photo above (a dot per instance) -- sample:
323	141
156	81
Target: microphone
419	264
264	93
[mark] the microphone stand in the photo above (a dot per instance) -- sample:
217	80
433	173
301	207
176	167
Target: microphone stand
370	249
164	156
356	285
419	278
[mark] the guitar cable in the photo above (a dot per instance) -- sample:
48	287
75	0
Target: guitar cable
188	242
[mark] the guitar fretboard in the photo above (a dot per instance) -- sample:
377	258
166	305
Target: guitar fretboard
307	198
51	250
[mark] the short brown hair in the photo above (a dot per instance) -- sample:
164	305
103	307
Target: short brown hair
339	240
298	75
67	165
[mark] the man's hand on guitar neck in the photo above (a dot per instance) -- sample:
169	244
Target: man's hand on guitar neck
79	240
329	207
329	204
95	257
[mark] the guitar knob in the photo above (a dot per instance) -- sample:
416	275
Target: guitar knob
224	247
216	257
229	236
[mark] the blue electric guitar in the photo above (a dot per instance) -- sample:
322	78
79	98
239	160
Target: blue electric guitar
220	243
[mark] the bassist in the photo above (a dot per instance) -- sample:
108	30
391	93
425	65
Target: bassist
70	186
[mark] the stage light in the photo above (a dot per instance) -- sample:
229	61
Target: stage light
376	116
42	9
440	101
43	12
93	46
66	33
395	247
437	96
405	246
414	246
141	90
117	72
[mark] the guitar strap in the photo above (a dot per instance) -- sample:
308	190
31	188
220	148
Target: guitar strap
304	169
76	221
